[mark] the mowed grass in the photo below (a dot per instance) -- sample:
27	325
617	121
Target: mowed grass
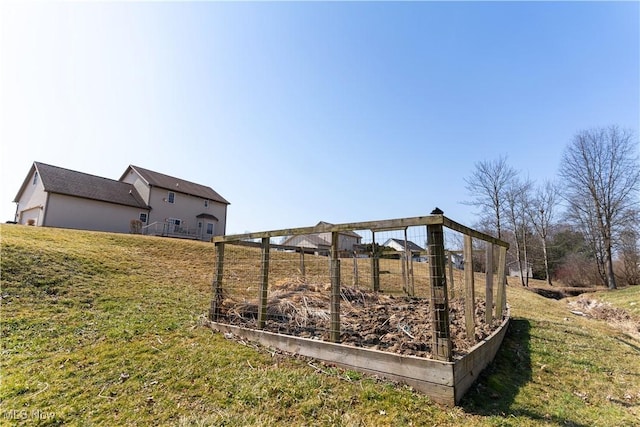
103	329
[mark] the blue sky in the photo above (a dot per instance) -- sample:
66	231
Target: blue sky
301	112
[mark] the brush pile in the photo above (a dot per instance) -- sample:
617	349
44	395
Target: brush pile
367	319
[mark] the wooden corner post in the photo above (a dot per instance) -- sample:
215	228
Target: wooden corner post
335	289
439	296
216	300
502	279
264	283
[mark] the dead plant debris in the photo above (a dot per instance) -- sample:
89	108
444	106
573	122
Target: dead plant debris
373	320
616	317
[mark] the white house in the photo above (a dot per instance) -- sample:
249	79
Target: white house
321	242
178	207
57	197
399	245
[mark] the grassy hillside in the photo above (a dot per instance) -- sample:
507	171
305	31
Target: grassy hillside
103	329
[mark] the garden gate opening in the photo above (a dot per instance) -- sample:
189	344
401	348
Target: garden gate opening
381	297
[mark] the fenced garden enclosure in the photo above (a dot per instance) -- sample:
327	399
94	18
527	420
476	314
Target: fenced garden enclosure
382	297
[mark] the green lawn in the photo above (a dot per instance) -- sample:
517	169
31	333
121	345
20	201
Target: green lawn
104	329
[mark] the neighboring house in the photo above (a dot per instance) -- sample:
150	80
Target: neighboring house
348	241
399	245
417	253
52	196
457	260
178	207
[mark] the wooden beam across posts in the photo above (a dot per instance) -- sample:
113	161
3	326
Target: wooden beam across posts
470	292
489	284
389	224
502	281
216	300
264	283
334	333
375	264
439	297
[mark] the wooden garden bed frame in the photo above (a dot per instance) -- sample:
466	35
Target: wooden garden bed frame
444	378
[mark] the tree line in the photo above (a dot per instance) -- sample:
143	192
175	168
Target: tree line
581	228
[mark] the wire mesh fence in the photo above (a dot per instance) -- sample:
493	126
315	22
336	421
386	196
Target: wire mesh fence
406	285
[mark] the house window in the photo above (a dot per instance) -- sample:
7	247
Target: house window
35	178
171	197
209	228
206	203
143	217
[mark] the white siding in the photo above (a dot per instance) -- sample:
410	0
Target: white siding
186	208
32	202
139	184
74	212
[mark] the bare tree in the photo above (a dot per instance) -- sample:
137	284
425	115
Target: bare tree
487	186
601	178
541	213
630	256
517	199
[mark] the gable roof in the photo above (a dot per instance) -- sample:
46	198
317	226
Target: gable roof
78	184
171	183
314	239
344	233
410	245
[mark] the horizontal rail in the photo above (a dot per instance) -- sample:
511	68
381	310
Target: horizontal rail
389	224
381	225
473	233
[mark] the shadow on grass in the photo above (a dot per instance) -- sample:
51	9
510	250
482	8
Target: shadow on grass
497	387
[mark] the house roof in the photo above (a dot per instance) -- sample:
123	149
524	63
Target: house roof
171	183
78	184
345	233
313	239
410	245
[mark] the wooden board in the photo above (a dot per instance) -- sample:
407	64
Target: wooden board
444	382
468	368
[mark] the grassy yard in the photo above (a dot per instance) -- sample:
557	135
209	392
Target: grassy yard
104	329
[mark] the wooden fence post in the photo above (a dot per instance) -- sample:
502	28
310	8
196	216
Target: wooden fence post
216	300
408	268
439	296
264	283
356	281
302	272
335	290
489	284
452	286
375	264
470	292
502	280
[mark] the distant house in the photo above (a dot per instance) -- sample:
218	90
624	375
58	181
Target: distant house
399	246
52	196
457	260
348	241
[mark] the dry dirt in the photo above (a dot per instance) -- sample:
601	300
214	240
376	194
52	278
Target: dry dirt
373	320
